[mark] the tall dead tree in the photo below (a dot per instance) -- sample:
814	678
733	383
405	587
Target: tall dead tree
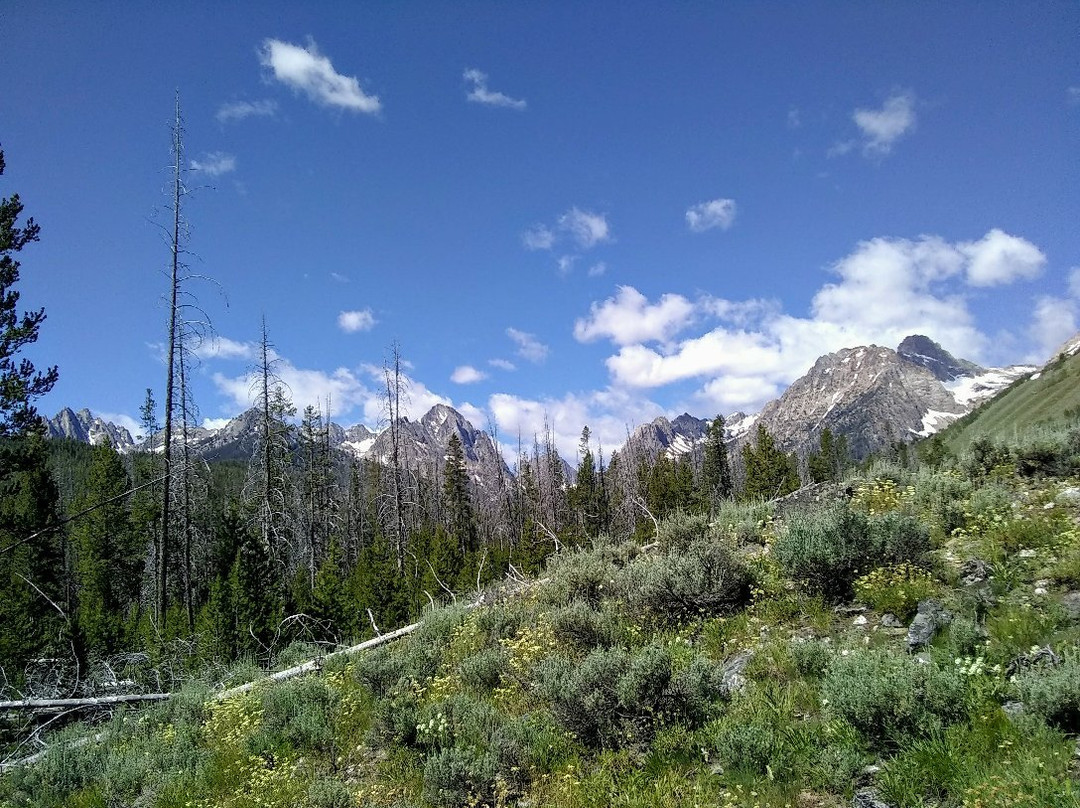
178	192
395	389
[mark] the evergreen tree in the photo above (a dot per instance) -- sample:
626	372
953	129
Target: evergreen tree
716	484
460	518
770	472
31	556
831	460
585	495
109	556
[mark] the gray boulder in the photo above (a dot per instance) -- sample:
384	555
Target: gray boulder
930	619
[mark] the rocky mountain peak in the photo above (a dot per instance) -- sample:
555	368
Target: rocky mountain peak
926	353
86	427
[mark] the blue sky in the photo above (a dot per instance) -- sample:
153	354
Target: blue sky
584	213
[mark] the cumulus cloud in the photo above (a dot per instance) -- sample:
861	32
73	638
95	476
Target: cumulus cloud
214	163
239	110
610	414
305	70
884	290
576	229
597	269
1053	322
629	317
352	321
304	386
1074	283
998	258
215	423
502	364
467	374
881	128
529	347
709	215
480	94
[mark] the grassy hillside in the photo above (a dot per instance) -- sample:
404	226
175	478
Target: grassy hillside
1053	398
761	658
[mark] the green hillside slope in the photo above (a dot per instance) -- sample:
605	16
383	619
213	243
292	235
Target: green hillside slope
1048	397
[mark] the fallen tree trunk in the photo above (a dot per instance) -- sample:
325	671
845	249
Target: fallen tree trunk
44	705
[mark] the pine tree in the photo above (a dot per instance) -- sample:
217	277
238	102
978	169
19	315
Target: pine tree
716	484
109	556
460	516
31	555
831	459
585	495
770	472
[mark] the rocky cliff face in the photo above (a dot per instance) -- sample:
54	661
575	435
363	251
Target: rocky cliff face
422	444
923	351
872	395
86	427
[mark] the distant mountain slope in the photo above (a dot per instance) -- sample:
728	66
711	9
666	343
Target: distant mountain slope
86	427
1049	395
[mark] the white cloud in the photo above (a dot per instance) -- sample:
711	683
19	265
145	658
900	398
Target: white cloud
467	374
480	94
529	347
610	415
881	128
1053	322
586	228
629	317
306	70
238	110
215	164
338	277
218	347
352	321
502	364
597	269
708	215
1074	283
304	387
794	118
884	290
1073	94
215	423
566	263
538	237
998	258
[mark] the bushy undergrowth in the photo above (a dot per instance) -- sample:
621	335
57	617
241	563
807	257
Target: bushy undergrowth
893	699
828	549
712	669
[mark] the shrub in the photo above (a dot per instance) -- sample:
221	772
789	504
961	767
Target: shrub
828	548
296	715
614	697
483	670
810	657
891	699
1053	693
897	589
327	793
582	627
457	776
707	579
583	575
985	457
743	522
679	530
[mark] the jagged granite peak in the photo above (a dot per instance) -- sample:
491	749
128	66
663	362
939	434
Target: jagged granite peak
926	353
86	427
871	395
422	444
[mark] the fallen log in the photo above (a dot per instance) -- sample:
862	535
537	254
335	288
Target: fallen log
44	705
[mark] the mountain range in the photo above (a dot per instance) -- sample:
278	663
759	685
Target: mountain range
871	394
